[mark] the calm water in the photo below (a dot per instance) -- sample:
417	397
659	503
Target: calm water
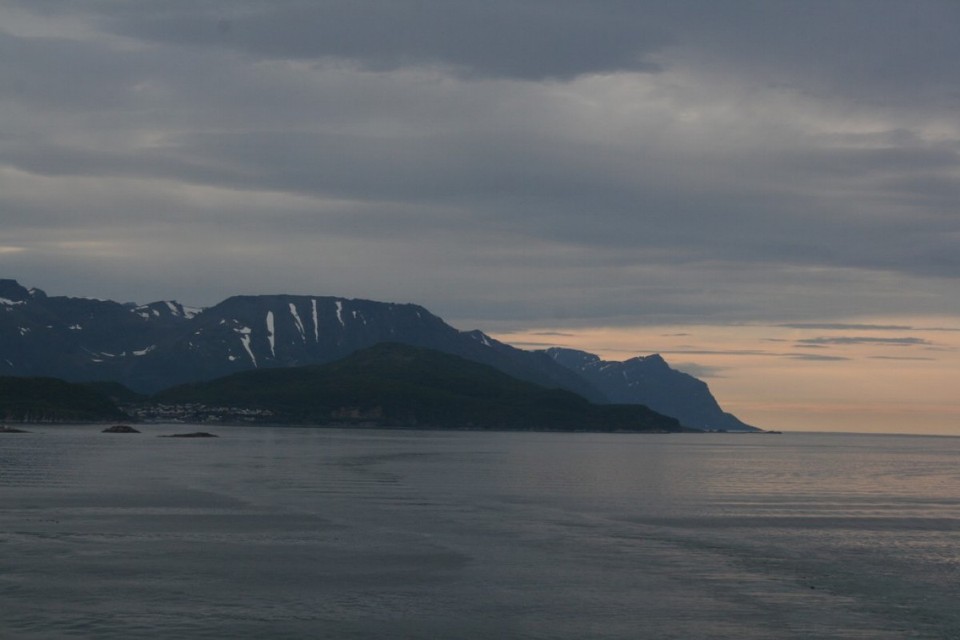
301	533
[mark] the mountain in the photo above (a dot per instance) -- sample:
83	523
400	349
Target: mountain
158	345
161	344
650	381
52	400
397	385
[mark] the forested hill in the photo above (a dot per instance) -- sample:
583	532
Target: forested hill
396	385
53	400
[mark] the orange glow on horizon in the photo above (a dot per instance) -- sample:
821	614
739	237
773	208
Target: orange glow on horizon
871	375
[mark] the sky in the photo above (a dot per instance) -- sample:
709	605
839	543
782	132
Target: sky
764	192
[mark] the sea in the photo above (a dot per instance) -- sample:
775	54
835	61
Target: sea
328	533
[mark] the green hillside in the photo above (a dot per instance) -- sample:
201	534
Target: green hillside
403	386
53	400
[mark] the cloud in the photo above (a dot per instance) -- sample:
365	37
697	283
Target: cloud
721	352
816	357
853	340
526	162
554	333
699	370
528	40
844	326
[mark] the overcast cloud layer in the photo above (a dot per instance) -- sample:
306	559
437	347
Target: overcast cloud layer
506	164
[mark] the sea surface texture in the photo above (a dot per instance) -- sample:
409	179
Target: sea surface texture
318	533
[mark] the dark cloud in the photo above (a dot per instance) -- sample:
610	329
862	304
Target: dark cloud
812	357
525	40
721	352
845	326
525	162
848	326
884	53
879	51
849	340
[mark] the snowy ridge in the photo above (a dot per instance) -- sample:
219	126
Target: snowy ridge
298	322
161	344
164	307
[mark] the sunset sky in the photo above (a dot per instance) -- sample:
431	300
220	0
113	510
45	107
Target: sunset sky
764	192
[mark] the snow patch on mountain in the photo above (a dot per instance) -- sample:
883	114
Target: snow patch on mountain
245	341
271	335
298	322
481	337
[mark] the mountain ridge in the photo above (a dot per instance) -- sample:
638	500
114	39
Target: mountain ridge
154	346
157	345
650	381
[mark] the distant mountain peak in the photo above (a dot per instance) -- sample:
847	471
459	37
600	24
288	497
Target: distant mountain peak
571	358
651	381
481	337
11	292
654	360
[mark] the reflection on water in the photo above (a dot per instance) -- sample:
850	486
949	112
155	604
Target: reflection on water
367	534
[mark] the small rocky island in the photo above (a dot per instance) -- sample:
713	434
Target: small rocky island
120	428
5	429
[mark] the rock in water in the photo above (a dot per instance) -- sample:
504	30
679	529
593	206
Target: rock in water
5	429
120	428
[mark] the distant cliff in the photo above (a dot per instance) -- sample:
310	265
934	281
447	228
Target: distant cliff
650	381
